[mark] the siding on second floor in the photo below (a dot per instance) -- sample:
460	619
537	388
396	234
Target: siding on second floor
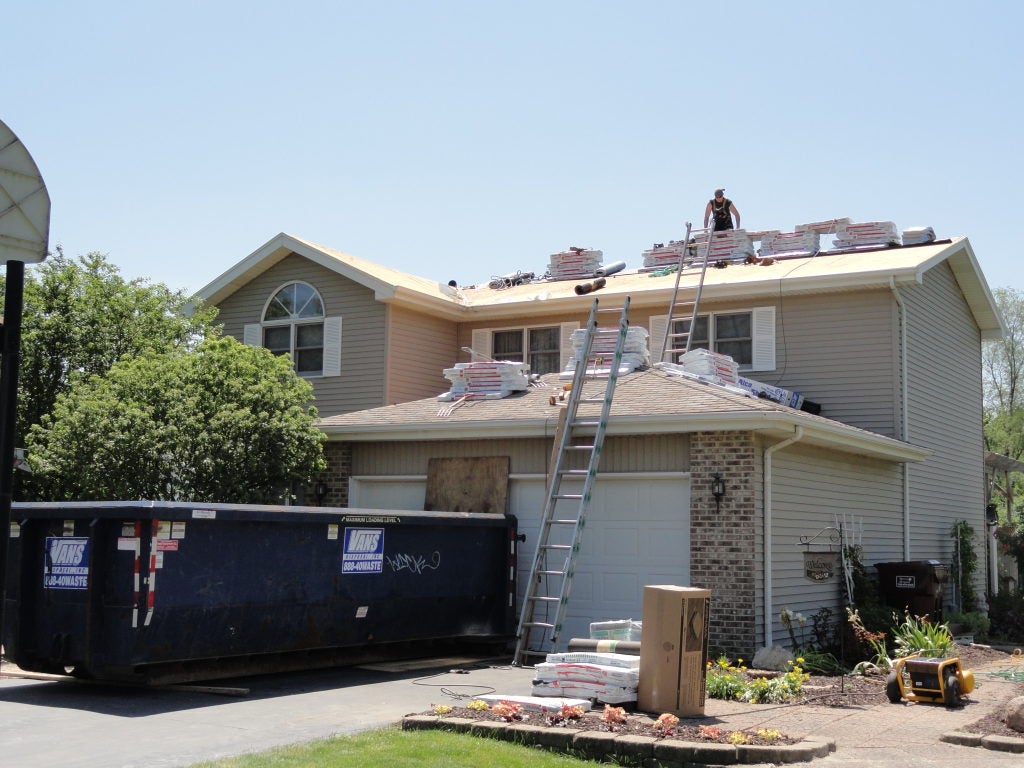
361	382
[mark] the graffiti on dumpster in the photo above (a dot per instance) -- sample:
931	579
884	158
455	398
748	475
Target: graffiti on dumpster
414	563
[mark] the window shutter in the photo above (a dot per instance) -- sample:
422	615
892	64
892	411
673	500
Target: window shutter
565	343
252	335
332	346
481	344
658	329
763	353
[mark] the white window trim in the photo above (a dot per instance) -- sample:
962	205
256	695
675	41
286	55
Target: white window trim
762	329
252	333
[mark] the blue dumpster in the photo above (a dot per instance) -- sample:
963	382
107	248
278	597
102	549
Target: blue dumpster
160	592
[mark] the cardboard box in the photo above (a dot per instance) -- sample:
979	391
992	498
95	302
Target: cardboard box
674	650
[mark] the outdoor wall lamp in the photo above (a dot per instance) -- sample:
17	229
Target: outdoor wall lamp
320	491
718	491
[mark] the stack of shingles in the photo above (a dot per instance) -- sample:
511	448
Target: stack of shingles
574	264
729	245
918	235
867	233
611	678
826	227
486	380
714	365
602	351
805	242
661	255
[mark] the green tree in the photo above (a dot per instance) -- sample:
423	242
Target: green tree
81	317
225	422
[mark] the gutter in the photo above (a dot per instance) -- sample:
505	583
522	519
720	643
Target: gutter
769	607
904	423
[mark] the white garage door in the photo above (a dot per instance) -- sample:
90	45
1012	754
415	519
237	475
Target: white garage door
637	533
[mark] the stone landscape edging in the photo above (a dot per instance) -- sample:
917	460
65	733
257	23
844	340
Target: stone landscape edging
625	748
994	742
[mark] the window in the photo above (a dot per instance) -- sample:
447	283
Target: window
539	347
732	335
293	324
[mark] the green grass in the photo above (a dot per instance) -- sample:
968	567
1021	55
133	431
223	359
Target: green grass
408	749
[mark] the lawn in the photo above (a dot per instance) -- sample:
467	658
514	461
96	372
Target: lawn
394	747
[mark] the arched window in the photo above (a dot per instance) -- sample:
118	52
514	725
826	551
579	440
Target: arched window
293	324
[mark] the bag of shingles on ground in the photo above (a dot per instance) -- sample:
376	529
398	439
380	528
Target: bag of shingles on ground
611	678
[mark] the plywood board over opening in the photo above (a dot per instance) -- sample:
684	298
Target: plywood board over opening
468	484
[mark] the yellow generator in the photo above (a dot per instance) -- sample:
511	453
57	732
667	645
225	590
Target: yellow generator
930	680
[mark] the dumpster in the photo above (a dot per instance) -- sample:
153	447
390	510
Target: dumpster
159	592
917	586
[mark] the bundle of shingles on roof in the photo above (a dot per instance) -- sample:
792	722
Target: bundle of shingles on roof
726	246
486	380
611	678
800	243
865	234
918	235
574	263
602	351
716	368
661	255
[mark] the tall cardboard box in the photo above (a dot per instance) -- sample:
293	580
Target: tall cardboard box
674	650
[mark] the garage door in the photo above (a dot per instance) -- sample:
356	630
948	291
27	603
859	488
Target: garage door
637	533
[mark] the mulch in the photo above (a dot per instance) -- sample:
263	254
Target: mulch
818	691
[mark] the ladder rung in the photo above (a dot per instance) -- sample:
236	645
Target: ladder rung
564	521
579	447
577	472
550	573
538	624
586	423
544	599
593	399
561	547
576	496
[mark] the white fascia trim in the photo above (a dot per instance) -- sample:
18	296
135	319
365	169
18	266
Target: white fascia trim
838	436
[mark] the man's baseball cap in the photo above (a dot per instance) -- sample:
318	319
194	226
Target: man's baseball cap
719	192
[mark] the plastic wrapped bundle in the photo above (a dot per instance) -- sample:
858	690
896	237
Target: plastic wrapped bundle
729	245
586	673
602	351
623	660
706	363
607	693
827	227
486	380
769	392
801	242
662	255
574	263
918	235
867	233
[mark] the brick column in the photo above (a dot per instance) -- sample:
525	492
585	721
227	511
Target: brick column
339	470
723	557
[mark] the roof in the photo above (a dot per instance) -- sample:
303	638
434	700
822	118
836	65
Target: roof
829	271
645	402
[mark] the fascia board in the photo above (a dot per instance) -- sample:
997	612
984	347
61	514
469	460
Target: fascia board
836	436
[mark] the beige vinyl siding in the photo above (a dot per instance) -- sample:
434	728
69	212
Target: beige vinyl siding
419	349
841	351
811	489
361	383
655	453
945	413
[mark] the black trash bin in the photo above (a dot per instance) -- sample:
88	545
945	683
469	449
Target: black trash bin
916	586
168	592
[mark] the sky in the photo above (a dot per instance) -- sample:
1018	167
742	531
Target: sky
465	139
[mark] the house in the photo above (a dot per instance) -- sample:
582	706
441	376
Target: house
886	340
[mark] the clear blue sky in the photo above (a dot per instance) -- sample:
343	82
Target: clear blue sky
460	140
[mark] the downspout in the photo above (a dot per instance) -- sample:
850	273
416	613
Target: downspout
769	608
904	421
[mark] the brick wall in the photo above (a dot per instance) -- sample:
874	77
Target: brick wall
723	557
339	470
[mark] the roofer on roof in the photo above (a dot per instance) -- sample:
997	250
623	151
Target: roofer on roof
723	209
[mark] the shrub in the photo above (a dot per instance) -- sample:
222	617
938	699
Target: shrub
726	681
918	635
1006	613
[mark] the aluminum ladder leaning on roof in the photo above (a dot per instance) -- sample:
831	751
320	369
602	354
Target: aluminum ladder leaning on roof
686	311
558	539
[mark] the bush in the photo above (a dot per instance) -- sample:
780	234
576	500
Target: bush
726	681
1006	614
973	623
918	635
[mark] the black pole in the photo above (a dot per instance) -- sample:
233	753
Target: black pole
13	299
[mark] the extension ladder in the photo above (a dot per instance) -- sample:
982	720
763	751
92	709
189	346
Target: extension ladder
685	312
579	440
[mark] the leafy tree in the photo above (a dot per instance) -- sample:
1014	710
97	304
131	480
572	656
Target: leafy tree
225	422
81	317
1003	360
